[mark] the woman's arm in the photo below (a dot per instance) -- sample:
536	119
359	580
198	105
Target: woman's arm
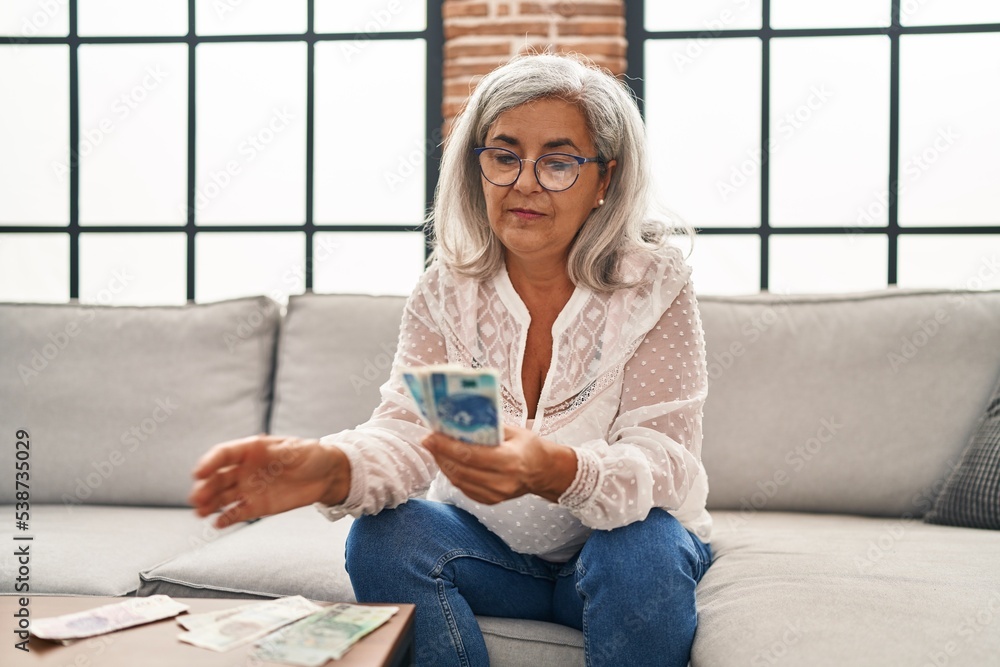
388	464
653	454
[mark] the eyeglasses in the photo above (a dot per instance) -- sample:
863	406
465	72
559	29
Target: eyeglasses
555	171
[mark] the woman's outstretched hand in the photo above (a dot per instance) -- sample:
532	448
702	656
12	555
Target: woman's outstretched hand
522	463
267	474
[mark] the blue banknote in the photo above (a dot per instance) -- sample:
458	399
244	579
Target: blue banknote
460	402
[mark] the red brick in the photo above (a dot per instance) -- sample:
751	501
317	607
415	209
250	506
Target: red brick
454	69
591	27
453	8
568	8
453	29
476	47
598	46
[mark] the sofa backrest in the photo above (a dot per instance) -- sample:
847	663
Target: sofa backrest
334	353
849	403
120	402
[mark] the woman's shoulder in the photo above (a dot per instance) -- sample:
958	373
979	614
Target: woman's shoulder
649	266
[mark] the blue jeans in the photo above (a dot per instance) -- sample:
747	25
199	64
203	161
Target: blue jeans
630	590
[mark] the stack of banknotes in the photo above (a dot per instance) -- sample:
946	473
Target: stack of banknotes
291	630
463	403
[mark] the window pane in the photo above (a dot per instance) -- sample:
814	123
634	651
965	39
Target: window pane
828	263
34	135
949	138
705	155
724	264
953	12
251	134
370	17
34	18
244	18
829	128
708	15
133	269
966	261
133	133
230	265
367	262
133	17
34	267
371	151
823	14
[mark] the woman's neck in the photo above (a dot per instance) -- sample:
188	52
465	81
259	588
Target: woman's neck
540	283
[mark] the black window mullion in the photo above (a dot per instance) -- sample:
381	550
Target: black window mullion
309	227
765	138
434	115
893	205
189	227
74	153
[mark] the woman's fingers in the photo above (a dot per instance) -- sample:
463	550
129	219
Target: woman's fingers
225	454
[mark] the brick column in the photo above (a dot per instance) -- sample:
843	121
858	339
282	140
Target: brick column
481	34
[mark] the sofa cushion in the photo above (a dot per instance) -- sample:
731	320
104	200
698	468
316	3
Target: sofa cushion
294	553
95	550
120	402
829	590
971	496
335	351
848	403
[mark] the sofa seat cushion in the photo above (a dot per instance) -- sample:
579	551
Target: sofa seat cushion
294	553
98	550
832	590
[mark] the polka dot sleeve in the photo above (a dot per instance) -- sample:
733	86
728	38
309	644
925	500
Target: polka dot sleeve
653	454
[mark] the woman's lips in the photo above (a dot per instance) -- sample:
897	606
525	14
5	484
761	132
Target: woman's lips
526	213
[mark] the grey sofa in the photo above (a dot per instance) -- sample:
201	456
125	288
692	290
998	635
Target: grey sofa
831	424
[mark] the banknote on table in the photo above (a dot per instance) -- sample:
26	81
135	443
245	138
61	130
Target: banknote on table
194	621
107	618
463	403
249	623
325	635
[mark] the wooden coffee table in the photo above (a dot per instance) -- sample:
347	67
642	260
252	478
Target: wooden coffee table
156	643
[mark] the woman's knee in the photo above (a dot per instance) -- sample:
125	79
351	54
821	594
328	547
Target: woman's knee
657	544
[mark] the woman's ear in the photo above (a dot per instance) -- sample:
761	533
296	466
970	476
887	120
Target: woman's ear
609	169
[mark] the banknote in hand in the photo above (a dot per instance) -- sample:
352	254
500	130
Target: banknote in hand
463	403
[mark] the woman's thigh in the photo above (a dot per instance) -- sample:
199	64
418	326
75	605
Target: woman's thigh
421	544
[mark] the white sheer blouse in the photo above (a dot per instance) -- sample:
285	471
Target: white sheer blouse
626	389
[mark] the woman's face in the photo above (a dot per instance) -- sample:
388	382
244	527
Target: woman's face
534	223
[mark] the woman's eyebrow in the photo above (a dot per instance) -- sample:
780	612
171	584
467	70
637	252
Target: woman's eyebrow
555	143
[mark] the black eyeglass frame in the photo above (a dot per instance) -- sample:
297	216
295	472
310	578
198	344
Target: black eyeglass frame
579	159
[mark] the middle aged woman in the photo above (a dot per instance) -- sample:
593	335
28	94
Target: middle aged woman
591	513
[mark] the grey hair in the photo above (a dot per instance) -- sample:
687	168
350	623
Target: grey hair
463	239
